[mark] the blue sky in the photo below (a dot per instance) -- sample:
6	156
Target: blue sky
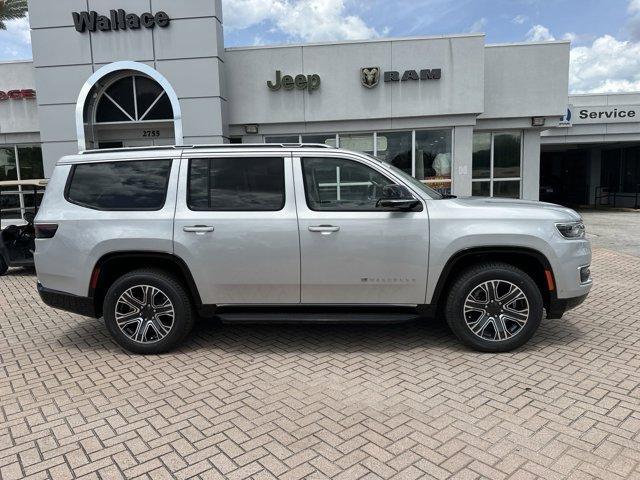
605	34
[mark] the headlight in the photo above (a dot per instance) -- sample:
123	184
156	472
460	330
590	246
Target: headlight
573	230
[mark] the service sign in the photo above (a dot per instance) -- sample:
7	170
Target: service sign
604	114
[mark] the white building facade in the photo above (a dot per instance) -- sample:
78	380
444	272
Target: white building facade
464	117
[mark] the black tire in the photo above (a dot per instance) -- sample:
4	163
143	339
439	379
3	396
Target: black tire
470	281
3	267
167	285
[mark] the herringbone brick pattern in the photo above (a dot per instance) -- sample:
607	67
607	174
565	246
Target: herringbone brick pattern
393	401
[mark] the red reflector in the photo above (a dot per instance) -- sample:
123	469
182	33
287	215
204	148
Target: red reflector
550	285
94	278
46	230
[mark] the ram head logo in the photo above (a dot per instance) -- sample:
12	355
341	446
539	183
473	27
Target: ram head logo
370	76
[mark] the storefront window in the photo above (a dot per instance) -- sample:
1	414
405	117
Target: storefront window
433	158
321	139
18	163
30	163
395	148
497	160
283	139
506	155
482	155
8	169
359	142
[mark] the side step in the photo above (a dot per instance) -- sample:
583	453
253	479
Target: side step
319	316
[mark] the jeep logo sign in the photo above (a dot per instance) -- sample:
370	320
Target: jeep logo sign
118	20
301	82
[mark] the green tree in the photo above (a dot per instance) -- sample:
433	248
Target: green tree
11	10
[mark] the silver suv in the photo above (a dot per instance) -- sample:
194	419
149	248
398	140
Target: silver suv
152	238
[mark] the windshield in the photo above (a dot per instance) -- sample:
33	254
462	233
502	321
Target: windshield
409	179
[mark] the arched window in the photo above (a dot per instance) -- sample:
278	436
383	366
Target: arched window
134	98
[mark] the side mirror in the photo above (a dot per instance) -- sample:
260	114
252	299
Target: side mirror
397	197
404	205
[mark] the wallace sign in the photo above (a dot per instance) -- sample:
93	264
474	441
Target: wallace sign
118	20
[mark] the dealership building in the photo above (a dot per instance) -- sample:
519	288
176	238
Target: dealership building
464	117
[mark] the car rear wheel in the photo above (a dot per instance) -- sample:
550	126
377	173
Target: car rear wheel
3	266
148	311
494	307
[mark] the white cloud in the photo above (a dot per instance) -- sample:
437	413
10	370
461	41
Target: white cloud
306	20
608	65
519	19
16	39
634	7
539	33
478	25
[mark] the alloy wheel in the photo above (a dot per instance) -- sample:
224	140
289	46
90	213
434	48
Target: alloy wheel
496	310
144	314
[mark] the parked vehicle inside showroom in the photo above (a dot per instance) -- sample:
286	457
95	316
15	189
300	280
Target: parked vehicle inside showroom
151	238
17	235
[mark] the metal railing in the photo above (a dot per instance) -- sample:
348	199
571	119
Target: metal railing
604	193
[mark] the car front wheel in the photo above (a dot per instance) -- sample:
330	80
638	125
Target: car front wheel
148	311
494	307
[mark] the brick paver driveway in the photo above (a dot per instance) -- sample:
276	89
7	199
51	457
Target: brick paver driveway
393	401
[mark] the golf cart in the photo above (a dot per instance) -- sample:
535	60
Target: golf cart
17	233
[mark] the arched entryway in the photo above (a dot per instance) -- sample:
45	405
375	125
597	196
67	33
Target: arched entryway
127	104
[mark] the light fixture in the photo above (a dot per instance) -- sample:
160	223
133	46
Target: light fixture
251	129
538	121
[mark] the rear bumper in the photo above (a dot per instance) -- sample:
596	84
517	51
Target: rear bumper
559	306
67	302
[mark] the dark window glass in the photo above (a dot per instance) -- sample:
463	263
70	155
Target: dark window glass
30	163
147	91
336	184
162	110
8	164
10	205
506	189
395	148
236	184
107	111
631	170
481	155
480	189
611	168
138	185
506	155
121	92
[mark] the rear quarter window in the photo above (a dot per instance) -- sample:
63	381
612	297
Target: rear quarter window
135	185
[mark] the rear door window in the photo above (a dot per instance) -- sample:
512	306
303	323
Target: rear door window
126	185
236	184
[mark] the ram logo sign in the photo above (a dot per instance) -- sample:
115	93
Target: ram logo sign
370	76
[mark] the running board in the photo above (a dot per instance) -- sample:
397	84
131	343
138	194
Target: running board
319	317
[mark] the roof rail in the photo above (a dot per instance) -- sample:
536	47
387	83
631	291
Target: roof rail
213	145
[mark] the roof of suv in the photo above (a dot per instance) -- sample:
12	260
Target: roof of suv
140	153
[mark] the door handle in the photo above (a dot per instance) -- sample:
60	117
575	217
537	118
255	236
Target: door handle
324	229
198	229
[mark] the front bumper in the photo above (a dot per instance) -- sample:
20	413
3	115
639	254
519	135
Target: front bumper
69	303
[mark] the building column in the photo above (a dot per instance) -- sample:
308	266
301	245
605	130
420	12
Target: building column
462	160
531	165
595	167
